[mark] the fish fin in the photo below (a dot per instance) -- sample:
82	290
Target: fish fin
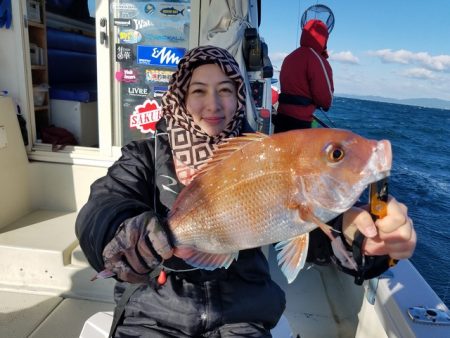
228	147
204	260
292	255
336	242
341	253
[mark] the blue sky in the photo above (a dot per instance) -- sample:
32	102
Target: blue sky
391	48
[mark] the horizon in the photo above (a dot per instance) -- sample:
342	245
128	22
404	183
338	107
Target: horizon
430	103
376	49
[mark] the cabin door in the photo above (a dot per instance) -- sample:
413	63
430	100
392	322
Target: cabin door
146	41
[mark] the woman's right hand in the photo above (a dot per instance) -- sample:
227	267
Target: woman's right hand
140	244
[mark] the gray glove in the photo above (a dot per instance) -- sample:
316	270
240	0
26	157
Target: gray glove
140	244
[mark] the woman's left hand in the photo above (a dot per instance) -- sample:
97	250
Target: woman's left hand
392	235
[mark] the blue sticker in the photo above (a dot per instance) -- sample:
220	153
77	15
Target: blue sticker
159	56
149	8
159	91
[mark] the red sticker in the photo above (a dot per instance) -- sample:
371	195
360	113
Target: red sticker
126	75
145	116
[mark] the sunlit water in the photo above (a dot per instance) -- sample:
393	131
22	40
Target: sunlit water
420	176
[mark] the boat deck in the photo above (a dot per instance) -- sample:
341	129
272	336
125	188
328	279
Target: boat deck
318	305
320	302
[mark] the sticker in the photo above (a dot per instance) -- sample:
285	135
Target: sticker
123	6
153	75
160	27
159	91
142	23
122	22
149	8
124	10
138	91
172	11
145	116
127	75
124	53
159	56
165	37
129	36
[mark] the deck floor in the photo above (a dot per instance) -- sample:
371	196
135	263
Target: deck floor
320	302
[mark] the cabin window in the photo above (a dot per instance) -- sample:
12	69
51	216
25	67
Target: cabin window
109	63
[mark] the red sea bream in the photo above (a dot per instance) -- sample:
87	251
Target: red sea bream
260	189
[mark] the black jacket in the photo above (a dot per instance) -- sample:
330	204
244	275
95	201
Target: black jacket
144	179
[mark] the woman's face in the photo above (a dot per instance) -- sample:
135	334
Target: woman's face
211	99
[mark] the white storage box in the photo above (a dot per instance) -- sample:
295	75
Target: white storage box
33	10
39	94
80	118
34	54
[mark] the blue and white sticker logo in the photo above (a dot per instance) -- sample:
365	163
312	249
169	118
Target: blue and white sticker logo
129	36
159	56
159	91
149	8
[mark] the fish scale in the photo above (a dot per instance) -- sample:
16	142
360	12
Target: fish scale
265	214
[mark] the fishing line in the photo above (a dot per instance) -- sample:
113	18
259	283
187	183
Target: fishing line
175	270
297	42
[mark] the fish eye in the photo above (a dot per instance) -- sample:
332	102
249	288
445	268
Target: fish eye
335	153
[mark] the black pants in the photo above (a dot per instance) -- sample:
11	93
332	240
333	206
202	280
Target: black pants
237	330
284	122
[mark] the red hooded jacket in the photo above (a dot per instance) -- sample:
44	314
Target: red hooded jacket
306	73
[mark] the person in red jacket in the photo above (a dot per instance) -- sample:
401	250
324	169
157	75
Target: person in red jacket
306	80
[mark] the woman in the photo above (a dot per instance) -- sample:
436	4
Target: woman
121	228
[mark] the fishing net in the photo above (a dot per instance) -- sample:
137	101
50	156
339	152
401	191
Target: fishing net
319	12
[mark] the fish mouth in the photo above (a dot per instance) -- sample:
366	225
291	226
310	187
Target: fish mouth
380	163
384	153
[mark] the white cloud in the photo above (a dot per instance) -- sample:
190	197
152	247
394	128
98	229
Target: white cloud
437	63
277	57
344	57
419	73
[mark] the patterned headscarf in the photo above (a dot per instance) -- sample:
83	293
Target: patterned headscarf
191	146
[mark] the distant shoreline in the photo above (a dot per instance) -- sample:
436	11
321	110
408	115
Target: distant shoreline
422	102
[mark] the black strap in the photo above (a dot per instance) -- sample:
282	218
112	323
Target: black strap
120	308
359	256
294	99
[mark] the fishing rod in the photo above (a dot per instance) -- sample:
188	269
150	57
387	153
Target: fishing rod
322	123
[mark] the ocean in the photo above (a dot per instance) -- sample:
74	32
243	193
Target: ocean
420	176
